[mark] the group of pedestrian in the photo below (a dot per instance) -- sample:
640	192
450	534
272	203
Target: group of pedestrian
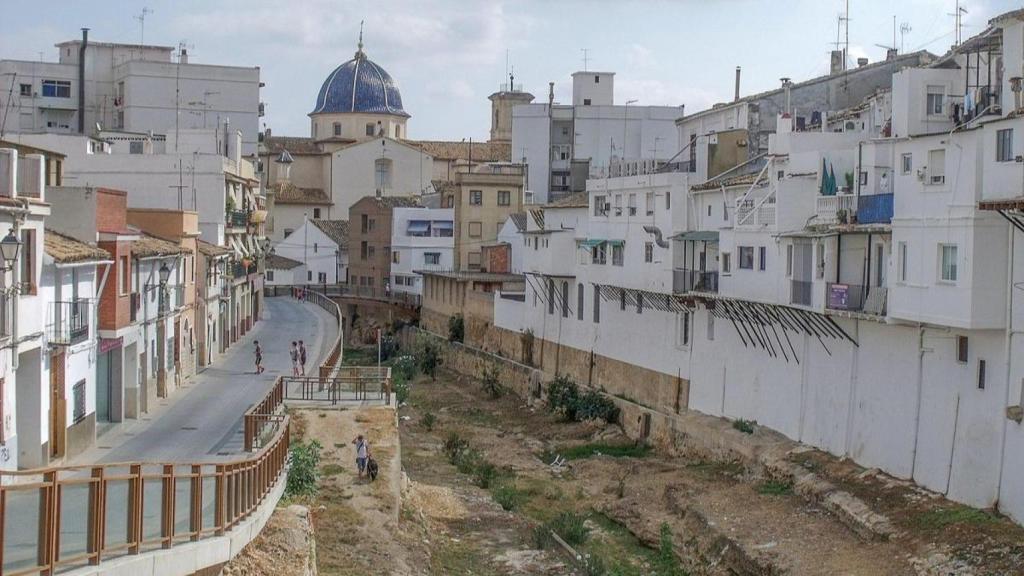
299	293
297	355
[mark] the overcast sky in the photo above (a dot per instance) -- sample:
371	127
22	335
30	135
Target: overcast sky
447	56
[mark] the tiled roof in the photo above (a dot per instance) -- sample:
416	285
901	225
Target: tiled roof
359	85
393	201
577	200
336	230
295	145
275	262
479	151
743	180
148	245
207	249
66	250
519	219
288	193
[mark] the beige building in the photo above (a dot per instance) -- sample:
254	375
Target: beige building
483	197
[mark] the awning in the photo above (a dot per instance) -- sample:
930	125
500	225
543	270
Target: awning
421	226
591	242
699	236
443	224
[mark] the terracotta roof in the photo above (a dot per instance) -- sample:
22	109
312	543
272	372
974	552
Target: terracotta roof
742	180
295	145
577	200
148	246
275	262
393	201
479	151
66	250
336	230
288	193
208	249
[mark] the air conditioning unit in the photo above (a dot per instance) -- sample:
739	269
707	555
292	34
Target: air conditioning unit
921	174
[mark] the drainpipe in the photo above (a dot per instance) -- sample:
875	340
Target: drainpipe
1010	332
921	350
81	80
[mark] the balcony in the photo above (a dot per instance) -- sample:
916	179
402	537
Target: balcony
836	209
69	322
875	209
856	298
800	293
236	218
749	215
684	280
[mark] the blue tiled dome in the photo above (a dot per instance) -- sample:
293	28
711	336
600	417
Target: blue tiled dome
359	85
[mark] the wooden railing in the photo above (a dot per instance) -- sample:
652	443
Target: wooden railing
332	308
266	412
60	518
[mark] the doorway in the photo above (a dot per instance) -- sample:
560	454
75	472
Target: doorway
58	406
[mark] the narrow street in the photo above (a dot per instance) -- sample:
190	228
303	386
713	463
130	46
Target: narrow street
203	420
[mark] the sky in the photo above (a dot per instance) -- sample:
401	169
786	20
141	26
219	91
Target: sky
448	56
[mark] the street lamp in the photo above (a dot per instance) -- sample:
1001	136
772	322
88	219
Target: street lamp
165	273
9	248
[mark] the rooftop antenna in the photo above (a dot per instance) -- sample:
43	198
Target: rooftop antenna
586	57
958	18
142	24
904	30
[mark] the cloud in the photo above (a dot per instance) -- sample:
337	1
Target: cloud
651	92
639	56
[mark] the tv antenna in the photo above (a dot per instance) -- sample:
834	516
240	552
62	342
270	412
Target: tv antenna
586	57
904	30
142	23
958	17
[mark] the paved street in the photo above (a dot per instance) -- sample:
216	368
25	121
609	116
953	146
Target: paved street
204	419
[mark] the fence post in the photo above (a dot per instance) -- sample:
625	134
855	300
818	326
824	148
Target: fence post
196	502
97	516
135	509
47	528
167	507
218	500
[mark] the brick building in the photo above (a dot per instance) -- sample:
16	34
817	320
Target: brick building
369	241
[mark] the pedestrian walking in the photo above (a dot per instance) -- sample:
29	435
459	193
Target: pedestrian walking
302	357
259	357
362	453
294	354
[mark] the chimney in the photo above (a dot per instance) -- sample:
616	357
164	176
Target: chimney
81	80
183	56
891	54
838	62
786	85
736	96
551	94
862	62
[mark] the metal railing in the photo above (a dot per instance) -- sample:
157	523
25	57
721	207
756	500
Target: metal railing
800	292
347	291
856	298
350	383
60	518
236	218
69	322
685	280
875	209
835	209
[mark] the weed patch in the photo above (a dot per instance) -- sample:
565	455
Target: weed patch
332	470
943	517
508	496
599	449
775	488
745	426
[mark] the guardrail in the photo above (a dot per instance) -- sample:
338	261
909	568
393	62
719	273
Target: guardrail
266	412
61	518
353	383
346	290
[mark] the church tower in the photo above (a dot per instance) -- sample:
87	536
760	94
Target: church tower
509	96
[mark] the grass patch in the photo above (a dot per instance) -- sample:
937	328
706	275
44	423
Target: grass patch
331	470
745	426
458	559
775	488
508	496
596	449
733	469
571	527
960	515
428	420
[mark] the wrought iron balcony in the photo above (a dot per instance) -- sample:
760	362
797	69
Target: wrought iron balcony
685	280
875	209
236	218
856	298
69	322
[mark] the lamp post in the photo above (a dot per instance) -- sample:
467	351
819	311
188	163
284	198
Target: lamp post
625	121
164	274
9	248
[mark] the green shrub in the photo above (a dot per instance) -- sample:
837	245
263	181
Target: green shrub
571	527
456	328
428	357
400	386
388	345
404	365
592	405
484	473
490	381
428	420
454	446
303	473
666	563
508	496
775	488
745	426
542	537
563	395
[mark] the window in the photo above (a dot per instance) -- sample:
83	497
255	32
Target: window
475	229
599	206
309	275
57	88
135	148
321	277
726	263
762	258
124	273
709	210
394	256
337	128
820	268
617	256
639	302
901	262
398	134
316	247
597	79
906	163
936	166
961	349
618	204
579	302
668	201
288	232
597	304
863	178
270	275
586	101
948	262
382	173
370	129
363	250
504	198
371	224
789	261
650	203
936	95
432	258
1004	145
476	198
632	204
682	329
551	296
364	223
78	401
371	251
622	299
316	212
565	299
649	252
981	374
746	257
599	253
25	89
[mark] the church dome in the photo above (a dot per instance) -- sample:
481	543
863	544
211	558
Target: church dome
360	86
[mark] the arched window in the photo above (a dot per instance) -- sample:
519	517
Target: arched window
337	128
579	301
565	299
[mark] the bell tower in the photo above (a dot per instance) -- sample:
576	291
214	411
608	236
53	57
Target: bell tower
502	102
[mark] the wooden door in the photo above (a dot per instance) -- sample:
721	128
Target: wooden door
58	406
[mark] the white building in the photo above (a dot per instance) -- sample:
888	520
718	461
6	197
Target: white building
564	144
129	87
421	239
510	234
320	246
